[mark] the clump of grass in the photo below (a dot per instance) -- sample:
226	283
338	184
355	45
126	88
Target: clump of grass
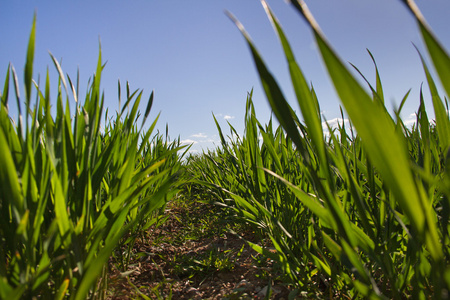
363	213
70	190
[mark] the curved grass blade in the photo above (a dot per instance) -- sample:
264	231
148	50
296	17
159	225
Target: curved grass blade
28	74
147	110
16	89
438	54
60	72
288	119
379	86
280	106
9	182
309	201
384	146
308	105
442	120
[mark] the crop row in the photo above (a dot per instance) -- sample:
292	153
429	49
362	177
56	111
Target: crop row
360	212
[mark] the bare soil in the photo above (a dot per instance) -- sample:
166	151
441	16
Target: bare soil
194	255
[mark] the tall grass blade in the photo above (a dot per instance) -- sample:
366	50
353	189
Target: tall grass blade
60	72
9	182
4	95
384	147
280	106
438	54
28	74
441	114
149	107
308	104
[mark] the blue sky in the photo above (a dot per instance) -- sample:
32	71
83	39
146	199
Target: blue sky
197	62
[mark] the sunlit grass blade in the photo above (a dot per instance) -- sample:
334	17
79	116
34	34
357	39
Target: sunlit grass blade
67	185
19	109
74	91
438	54
4	95
222	138
60	72
384	147
308	104
62	289
379	86
9	181
280	106
149	107
441	114
28	74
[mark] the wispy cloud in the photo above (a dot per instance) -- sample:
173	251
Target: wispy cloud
225	117
199	135
188	142
334	123
409	122
199	138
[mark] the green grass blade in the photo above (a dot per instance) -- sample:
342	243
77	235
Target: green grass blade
309	201
382	143
438	54
74	91
5	94
379	86
16	89
442	120
60	72
62	289
269	143
9	182
308	105
280	106
28	74
59	200
222	138
149	107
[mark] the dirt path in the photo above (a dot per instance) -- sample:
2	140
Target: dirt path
193	255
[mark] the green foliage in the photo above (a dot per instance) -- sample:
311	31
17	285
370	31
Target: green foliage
359	213
72	187
364	213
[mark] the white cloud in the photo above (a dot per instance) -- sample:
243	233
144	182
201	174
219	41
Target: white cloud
334	123
228	117
188	141
199	135
409	122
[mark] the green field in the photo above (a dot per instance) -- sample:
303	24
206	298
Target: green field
359	212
